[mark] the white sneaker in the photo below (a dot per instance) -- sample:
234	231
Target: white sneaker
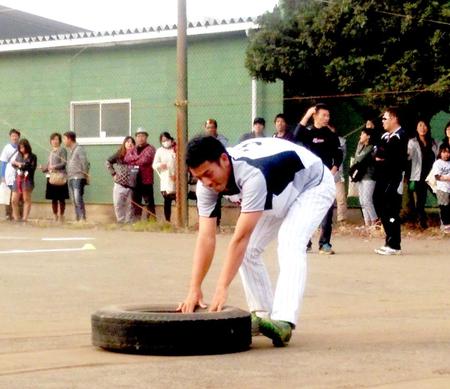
382	248
385	250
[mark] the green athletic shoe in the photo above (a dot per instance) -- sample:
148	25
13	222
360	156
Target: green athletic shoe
279	331
255	324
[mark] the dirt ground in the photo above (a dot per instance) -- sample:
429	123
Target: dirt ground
367	321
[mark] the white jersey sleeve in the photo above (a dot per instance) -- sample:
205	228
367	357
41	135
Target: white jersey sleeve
254	193
206	200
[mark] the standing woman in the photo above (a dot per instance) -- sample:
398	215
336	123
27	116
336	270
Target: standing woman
422	151
164	164
57	189
364	165
446	140
25	165
123	185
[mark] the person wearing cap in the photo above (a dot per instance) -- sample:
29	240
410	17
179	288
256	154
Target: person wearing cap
259	124
142	156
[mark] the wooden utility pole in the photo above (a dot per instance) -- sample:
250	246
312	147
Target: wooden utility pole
182	111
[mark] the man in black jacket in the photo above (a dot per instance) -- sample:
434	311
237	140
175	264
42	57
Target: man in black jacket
391	156
325	144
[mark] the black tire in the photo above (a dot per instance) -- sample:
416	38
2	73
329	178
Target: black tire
160	330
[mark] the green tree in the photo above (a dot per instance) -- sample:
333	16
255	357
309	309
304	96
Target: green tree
378	48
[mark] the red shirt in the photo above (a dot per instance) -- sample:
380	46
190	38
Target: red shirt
142	156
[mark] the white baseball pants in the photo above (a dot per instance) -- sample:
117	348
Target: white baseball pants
294	231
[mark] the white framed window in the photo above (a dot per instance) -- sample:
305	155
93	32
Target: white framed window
101	121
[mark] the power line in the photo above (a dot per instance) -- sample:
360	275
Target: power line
412	17
394	14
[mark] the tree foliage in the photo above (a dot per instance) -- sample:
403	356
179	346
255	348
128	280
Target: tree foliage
320	47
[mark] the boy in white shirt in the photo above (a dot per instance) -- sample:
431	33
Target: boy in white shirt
441	170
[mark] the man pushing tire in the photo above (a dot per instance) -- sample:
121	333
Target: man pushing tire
284	190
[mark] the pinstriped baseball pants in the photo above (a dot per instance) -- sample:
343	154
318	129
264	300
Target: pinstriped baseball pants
293	231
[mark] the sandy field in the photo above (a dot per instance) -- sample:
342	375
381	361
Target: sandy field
367	321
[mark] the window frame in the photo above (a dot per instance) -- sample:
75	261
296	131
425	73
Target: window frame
99	140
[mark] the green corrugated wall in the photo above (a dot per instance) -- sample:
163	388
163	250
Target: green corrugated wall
37	88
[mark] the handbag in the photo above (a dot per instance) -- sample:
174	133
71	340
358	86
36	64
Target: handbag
357	171
126	175
431	181
57	178
352	189
5	194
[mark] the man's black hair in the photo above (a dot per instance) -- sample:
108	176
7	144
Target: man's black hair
259	121
280	116
202	149
14	131
394	111
71	135
322	106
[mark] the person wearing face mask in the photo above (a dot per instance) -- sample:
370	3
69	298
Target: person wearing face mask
164	164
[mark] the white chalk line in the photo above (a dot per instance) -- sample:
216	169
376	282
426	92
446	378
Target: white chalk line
64	239
30	251
74	238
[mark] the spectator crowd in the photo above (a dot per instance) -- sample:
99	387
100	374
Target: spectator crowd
387	165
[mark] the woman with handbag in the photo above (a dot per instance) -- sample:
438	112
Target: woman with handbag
362	171
124	177
25	165
55	169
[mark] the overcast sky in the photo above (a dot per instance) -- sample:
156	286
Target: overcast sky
101	15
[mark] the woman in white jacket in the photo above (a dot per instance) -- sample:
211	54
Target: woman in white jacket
422	150
164	164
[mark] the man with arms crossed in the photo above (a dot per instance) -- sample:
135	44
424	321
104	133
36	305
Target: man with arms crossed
283	190
391	157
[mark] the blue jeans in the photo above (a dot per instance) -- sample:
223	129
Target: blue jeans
76	189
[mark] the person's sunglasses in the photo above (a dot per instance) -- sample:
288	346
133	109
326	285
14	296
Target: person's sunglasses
383	118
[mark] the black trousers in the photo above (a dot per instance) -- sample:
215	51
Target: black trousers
445	214
144	192
326	227
168	198
417	200
387	204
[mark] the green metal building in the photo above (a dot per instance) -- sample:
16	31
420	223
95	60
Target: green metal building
105	85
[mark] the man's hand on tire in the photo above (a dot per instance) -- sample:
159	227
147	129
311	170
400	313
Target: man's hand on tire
193	300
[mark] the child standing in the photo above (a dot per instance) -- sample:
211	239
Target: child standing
441	170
